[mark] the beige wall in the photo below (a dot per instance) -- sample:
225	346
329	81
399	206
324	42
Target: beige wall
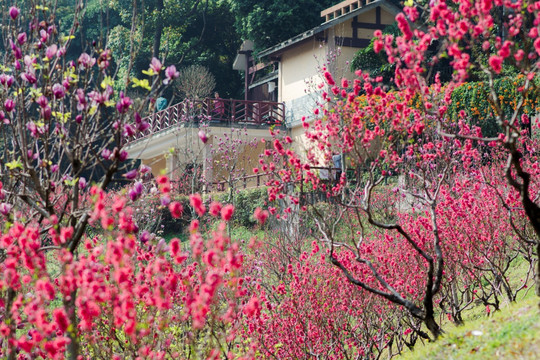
299	67
158	164
247	159
168	161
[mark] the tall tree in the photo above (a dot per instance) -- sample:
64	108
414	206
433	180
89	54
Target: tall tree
268	22
159	29
193	32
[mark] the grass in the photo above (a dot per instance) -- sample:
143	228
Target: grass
239	234
512	333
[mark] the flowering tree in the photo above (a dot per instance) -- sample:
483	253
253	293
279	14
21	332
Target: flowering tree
83	277
232	154
62	121
407	131
508	32
77	278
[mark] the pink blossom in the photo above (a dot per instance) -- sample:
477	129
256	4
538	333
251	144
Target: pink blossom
128	130
377	46
61	319
123	155
123	104
176	209
203	137
58	91
196	202
496	63
9	105
170	74
278	146
106	154
403	25
51	51
21	38
253	307
42	101
85	61
13	12
215	208
132	174
329	79
174	246
155	65
5	208
537	45
260	215
227	212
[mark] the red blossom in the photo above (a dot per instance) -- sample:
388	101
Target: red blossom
176	209
196	202
227	212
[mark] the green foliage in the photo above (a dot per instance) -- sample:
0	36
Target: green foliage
245	202
193	32
214	48
269	22
472	98
375	64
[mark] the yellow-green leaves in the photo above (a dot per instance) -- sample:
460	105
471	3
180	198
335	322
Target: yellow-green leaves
15	164
108	81
141	83
149	72
62	117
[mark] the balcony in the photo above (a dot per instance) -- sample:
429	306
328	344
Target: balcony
216	112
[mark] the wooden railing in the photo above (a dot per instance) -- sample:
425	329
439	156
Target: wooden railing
343	8
244	182
256	180
216	111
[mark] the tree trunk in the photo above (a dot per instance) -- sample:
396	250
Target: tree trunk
537	280
73	347
159	29
432	326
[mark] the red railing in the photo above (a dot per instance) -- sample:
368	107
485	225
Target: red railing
214	111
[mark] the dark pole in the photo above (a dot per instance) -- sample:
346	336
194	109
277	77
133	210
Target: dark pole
246	80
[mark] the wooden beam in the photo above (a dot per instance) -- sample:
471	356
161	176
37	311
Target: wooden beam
351	42
343	7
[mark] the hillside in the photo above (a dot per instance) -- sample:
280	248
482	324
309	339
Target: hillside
513	333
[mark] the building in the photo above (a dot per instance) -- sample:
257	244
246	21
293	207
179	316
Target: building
286	93
347	27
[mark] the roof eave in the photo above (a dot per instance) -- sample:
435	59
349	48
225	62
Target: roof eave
276	49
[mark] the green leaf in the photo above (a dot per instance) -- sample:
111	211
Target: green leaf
12	165
149	72
108	81
61	116
141	83
71	182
